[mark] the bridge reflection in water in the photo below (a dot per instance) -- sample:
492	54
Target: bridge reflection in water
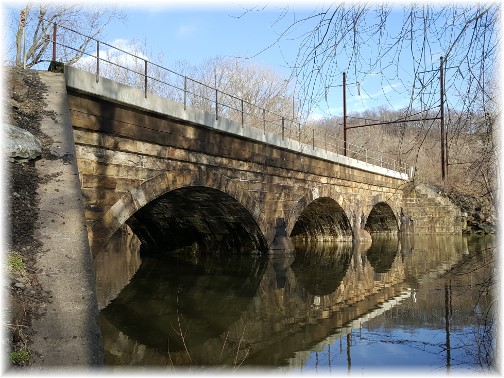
256	310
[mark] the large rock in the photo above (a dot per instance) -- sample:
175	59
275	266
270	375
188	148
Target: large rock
21	144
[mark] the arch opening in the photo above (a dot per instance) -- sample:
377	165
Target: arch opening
381	220
322	220
198	220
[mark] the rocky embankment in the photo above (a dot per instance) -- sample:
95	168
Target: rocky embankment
479	214
26	299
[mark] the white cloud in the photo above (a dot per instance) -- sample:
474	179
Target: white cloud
129	47
128	57
315	116
186	31
378	93
389	88
384	96
319	113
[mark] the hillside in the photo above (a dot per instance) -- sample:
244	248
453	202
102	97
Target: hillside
25	108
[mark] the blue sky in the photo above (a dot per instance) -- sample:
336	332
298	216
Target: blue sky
196	35
195	32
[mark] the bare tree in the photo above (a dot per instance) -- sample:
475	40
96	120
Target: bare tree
402	45
370	39
36	22
258	86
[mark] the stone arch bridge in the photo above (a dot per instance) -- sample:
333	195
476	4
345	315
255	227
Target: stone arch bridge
178	176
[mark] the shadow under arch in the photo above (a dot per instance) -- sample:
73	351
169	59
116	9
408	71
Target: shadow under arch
324	220
174	301
149	190
381	220
197	218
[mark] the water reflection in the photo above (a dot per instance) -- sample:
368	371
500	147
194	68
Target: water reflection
279	311
320	267
114	266
447	323
172	300
382	253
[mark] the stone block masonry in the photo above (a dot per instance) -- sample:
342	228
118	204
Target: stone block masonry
132	151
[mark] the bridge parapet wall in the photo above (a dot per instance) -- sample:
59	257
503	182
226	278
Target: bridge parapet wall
104	88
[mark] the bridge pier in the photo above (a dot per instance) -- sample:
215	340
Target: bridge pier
281	242
360	234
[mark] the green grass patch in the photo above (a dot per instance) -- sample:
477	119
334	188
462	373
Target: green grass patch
19	357
15	264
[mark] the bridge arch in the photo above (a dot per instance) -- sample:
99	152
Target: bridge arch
219	190
382	219
318	215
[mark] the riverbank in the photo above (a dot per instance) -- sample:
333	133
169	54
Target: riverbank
25	295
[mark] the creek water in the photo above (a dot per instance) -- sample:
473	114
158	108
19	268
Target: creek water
422	303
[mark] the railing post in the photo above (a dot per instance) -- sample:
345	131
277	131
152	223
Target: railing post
55	27
366	154
313	138
242	118
216	105
97	61
145	77
264	121
185	92
283	128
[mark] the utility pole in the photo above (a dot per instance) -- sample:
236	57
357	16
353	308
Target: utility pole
443	138
22	22
344	116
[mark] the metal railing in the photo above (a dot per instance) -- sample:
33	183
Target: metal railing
139	72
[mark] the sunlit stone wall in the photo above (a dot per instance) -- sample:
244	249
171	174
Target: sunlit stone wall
128	156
